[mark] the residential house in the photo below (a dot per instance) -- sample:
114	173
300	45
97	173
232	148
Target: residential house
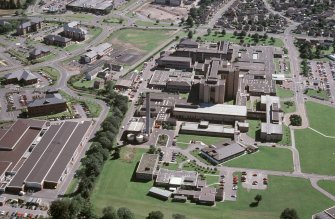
56	40
29	26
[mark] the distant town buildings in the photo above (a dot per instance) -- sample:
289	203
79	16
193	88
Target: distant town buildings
92	6
169	2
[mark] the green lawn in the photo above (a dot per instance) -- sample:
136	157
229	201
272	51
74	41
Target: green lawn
211	179
254	128
327	185
151	24
51	72
286	136
146	40
72	186
196	154
184	138
267	158
83	83
73	47
234	39
94	108
321	117
288	109
115	188
276	62
322	94
283	93
317	153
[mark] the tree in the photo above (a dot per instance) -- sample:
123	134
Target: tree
18	4
272	40
288	103
152	149
190	21
295	120
109	213
155	215
209	31
190	34
289	214
223	32
64	208
116	154
258	198
125	213
178	216
157	21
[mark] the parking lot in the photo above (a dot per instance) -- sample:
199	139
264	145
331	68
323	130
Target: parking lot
253	180
322	77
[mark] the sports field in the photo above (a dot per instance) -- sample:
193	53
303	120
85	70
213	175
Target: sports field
145	40
115	188
264	159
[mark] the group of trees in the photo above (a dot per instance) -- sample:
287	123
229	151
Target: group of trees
9	26
295	120
309	51
305	68
10	4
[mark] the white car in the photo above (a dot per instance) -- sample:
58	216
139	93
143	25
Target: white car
2	212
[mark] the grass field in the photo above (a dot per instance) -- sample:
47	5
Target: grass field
115	188
284	93
317	153
83	83
146	40
288	109
286	140
254	128
184	138
321	118
322	94
264	159
51	72
234	39
327	185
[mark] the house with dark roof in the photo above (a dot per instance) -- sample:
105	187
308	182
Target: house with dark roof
57	40
38	53
74	31
29	26
24	77
51	104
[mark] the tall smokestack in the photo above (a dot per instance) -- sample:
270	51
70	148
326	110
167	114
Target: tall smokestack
147	127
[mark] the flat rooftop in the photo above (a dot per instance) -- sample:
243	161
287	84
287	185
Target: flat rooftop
13	135
148	163
52	154
223	150
214	128
96	4
219	109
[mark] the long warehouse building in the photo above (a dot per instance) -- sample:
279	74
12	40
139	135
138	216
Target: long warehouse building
48	162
